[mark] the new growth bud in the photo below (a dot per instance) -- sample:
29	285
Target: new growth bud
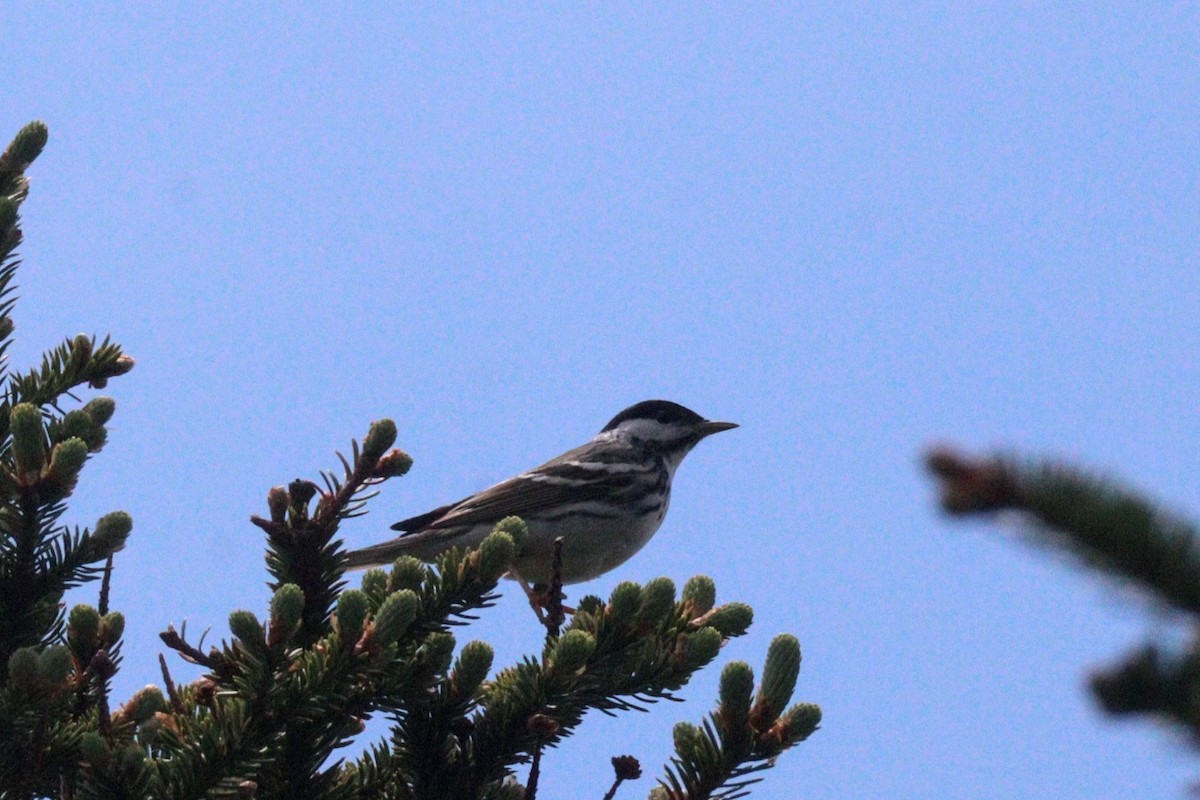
496	554
28	440
66	459
112	626
23	668
436	652
249	631
514	527
393	464
702	646
81	351
145	703
375	584
395	615
737	684
779	675
700	593
100	409
287	608
474	663
379	438
686	737
352	611
26	146
801	720
55	664
624	601
573	650
658	599
408	573
731	619
111	532
83	631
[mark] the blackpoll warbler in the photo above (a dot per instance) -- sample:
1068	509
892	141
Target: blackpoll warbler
605	499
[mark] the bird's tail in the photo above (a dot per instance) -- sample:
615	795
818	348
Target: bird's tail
377	555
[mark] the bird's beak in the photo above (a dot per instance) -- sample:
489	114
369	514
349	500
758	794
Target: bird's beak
709	427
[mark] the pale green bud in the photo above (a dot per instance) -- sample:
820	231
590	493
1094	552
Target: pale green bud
352	608
112	626
658	600
780	673
624	601
248	630
573	650
111	532
737	684
437	651
379	438
27	145
55	664
408	573
703	646
28	438
732	619
83	631
395	615
802	720
474	663
287	608
23	668
100	409
375	584
687	738
66	459
514	527
701	593
496	554
145	703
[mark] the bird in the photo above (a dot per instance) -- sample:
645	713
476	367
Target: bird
606	499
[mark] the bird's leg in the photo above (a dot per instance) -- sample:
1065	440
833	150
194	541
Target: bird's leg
537	599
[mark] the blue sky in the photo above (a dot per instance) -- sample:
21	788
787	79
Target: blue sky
853	229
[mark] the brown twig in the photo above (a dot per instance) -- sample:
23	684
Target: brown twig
543	727
554	597
173	640
102	603
101	669
172	692
535	768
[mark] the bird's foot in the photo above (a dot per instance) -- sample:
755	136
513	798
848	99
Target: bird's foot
545	601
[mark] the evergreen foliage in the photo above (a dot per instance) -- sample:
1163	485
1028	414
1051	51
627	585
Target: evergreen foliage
284	693
1112	529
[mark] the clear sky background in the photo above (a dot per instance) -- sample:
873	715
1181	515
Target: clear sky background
853	229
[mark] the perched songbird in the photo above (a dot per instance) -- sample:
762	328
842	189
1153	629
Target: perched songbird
605	499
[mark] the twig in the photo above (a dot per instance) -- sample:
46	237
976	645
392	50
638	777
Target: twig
535	769
173	640
172	692
554	599
101	669
627	768
543	727
102	604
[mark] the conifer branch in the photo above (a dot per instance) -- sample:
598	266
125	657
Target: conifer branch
287	691
1112	529
1104	525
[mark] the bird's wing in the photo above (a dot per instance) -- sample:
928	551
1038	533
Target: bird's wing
562	480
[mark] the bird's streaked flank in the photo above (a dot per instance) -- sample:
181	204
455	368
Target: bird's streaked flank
605	499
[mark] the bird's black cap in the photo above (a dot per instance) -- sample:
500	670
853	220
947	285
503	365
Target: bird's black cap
663	411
